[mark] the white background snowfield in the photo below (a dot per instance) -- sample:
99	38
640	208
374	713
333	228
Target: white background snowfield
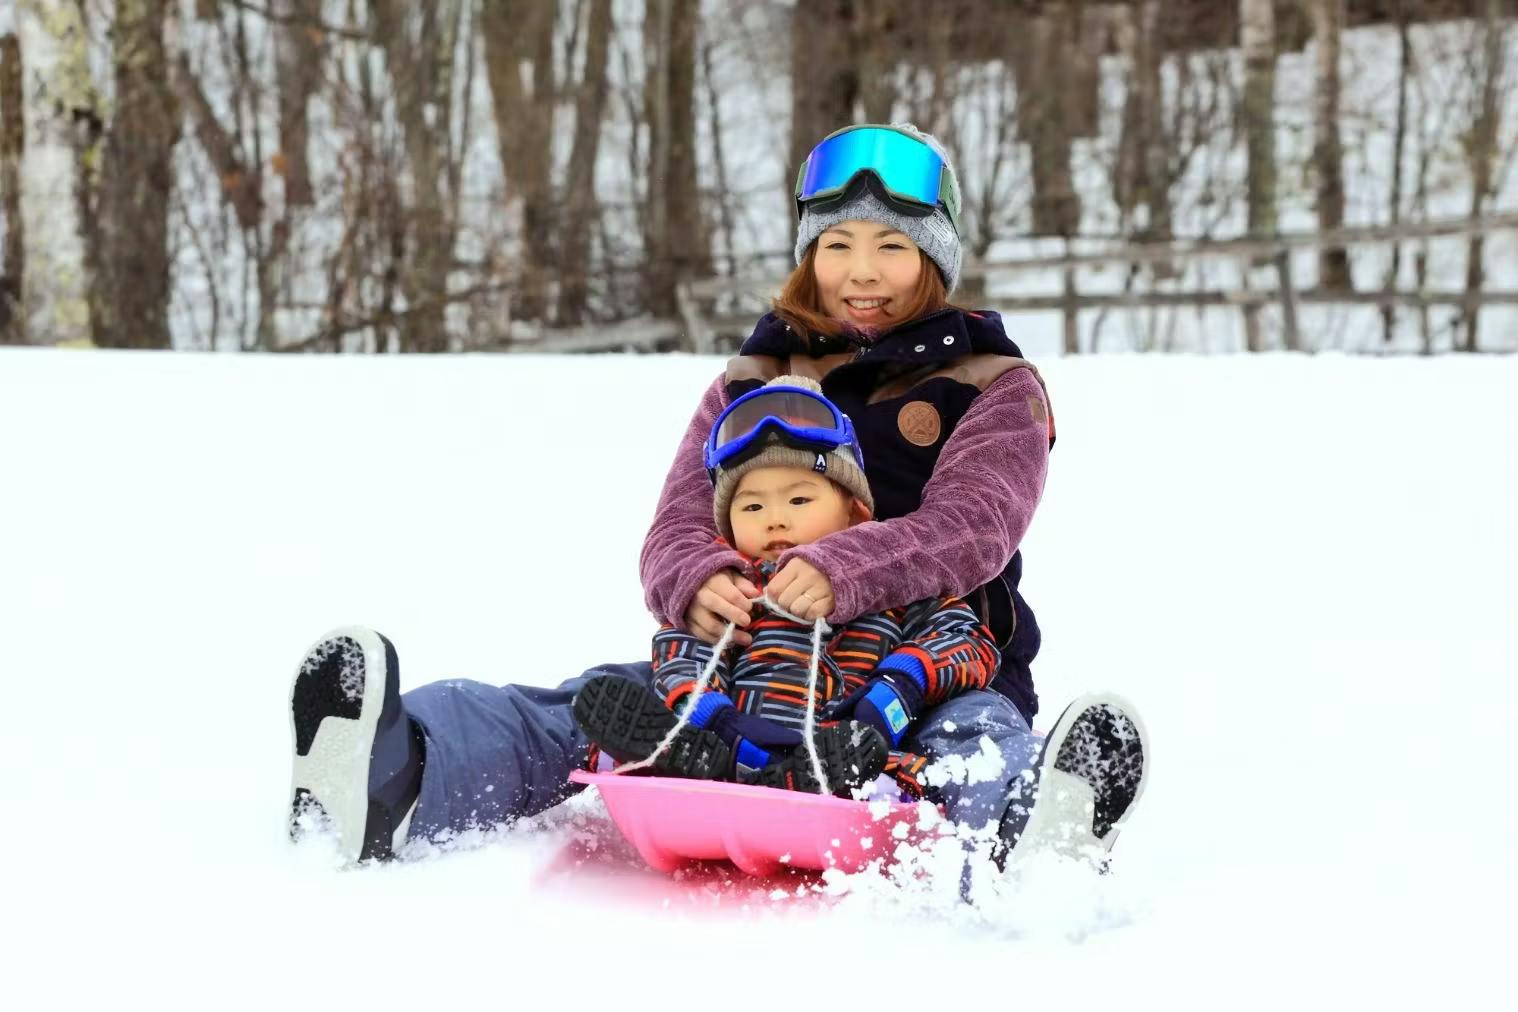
1301	569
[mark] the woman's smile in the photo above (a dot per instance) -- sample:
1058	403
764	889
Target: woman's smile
866	310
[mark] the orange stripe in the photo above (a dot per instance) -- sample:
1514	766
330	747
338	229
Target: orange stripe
779	652
863	634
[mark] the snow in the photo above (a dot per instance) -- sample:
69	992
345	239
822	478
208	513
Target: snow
1300	568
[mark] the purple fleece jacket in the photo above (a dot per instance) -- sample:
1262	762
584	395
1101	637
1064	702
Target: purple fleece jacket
975	510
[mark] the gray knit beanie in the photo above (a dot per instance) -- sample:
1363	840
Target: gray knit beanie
933	234
841	467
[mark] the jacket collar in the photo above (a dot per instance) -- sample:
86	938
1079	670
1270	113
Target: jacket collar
941	336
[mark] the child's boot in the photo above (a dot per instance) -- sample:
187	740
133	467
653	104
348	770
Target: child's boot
357	757
1088	778
628	720
851	755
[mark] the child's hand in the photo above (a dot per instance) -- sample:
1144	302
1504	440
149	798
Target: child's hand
725	597
803	590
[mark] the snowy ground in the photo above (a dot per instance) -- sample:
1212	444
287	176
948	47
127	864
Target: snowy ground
1302	569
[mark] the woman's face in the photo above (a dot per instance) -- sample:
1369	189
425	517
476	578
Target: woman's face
865	272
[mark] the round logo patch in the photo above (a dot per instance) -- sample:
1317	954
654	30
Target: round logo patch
919	423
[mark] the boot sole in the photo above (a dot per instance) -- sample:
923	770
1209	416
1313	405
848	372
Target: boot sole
336	700
1084	793
629	720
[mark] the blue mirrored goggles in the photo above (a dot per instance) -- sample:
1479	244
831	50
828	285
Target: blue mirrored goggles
796	416
910	174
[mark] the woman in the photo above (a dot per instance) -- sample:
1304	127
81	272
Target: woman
955	430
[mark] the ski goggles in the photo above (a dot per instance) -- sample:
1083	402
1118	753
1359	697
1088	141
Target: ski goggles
907	172
797	416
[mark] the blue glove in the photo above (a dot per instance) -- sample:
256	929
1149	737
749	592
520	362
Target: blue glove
753	739
890	701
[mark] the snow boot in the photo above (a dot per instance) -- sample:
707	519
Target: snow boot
628	720
851	754
357	757
1089	776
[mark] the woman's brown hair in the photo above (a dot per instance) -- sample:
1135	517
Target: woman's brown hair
799	304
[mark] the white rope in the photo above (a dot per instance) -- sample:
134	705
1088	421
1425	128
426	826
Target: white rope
820	628
811	707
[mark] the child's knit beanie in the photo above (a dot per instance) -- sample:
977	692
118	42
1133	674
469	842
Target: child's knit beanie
841	467
933	234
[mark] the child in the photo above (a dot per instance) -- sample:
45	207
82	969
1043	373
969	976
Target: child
786	471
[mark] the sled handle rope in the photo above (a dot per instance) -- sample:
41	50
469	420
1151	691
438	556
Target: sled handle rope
819	629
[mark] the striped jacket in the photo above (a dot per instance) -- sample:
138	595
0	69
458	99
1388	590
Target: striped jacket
769	678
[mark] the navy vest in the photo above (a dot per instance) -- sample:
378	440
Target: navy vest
899	467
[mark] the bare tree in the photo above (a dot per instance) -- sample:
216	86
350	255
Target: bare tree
12	143
419	43
1482	152
1043	121
676	245
1327	17
237	170
579	194
1257	38
1399	148
875	60
520	68
299	48
1144	171
62	132
824	74
129	294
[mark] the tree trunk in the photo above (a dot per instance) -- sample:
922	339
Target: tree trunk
1257	37
676	246
824	77
1399	146
1042	122
299	49
130	294
420	61
12	143
519	38
62	129
1143	153
874	68
1483	153
1327	17
725	195
580	193
1156	145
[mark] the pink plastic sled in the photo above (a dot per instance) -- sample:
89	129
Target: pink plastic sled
673	821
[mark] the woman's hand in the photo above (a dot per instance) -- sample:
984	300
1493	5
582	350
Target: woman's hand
803	590
725	597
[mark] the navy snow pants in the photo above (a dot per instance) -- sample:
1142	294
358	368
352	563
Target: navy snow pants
496	753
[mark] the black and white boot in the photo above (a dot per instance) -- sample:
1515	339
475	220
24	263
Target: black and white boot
1087	781
357	758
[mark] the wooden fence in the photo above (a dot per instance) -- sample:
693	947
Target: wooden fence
708	324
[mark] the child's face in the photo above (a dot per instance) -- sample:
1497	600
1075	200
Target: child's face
865	272
776	508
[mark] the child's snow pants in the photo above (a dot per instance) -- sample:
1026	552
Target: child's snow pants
497	753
